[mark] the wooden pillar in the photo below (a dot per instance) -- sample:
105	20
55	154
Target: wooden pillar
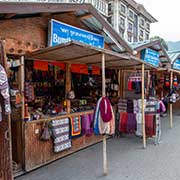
119	82
22	79
105	168
143	110
68	86
170	106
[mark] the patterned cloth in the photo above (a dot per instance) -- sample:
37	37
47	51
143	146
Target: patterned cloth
60	130
76	129
122	105
4	90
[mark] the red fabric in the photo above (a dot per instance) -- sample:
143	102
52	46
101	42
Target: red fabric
123	122
96	70
130	85
79	68
150	125
59	64
41	65
105	109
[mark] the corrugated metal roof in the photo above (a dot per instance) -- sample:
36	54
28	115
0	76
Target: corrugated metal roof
136	45
173	56
156	45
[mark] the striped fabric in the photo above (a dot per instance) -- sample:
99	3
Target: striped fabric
60	130
4	90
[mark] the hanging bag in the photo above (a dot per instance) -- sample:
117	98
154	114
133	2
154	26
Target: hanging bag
46	133
71	93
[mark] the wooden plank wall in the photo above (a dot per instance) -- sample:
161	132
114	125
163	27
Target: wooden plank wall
5	160
38	153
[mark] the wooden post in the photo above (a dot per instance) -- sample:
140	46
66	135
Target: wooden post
7	136
143	110
68	86
105	168
22	79
170	106
119	82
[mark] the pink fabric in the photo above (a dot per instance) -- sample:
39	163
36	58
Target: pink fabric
105	109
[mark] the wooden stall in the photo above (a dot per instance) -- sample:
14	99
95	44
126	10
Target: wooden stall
174	82
28	151
155	67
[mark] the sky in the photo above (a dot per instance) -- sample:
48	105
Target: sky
167	14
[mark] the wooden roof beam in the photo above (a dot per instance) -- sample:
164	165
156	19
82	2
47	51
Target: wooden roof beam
85	16
9	16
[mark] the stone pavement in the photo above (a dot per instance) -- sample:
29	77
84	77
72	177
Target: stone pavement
126	160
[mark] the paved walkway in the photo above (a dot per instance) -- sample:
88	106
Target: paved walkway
126	160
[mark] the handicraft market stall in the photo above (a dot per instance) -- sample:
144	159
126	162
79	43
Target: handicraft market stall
140	104
43	82
173	95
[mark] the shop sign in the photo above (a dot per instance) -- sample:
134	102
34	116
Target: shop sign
150	56
60	33
176	64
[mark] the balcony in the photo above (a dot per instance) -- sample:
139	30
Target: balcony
100	5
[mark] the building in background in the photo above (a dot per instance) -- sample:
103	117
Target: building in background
130	19
100	5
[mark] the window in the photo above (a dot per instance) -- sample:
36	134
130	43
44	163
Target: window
123	9
122	23
142	22
148	26
130	27
109	7
131	14
141	33
129	38
121	32
147	36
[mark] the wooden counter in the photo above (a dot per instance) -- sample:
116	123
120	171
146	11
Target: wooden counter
38	153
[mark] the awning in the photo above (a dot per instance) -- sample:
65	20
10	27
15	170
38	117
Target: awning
76	52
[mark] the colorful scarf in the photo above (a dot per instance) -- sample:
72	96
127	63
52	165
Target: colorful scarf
76	128
105	109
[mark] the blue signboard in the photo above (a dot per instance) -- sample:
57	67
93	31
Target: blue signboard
176	64
63	33
150	56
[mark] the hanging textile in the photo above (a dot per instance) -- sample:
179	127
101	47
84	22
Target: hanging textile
150	125
105	109
41	65
76	128
60	130
122	105
104	120
4	90
158	129
97	118
139	127
87	124
130	108
131	123
123	122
